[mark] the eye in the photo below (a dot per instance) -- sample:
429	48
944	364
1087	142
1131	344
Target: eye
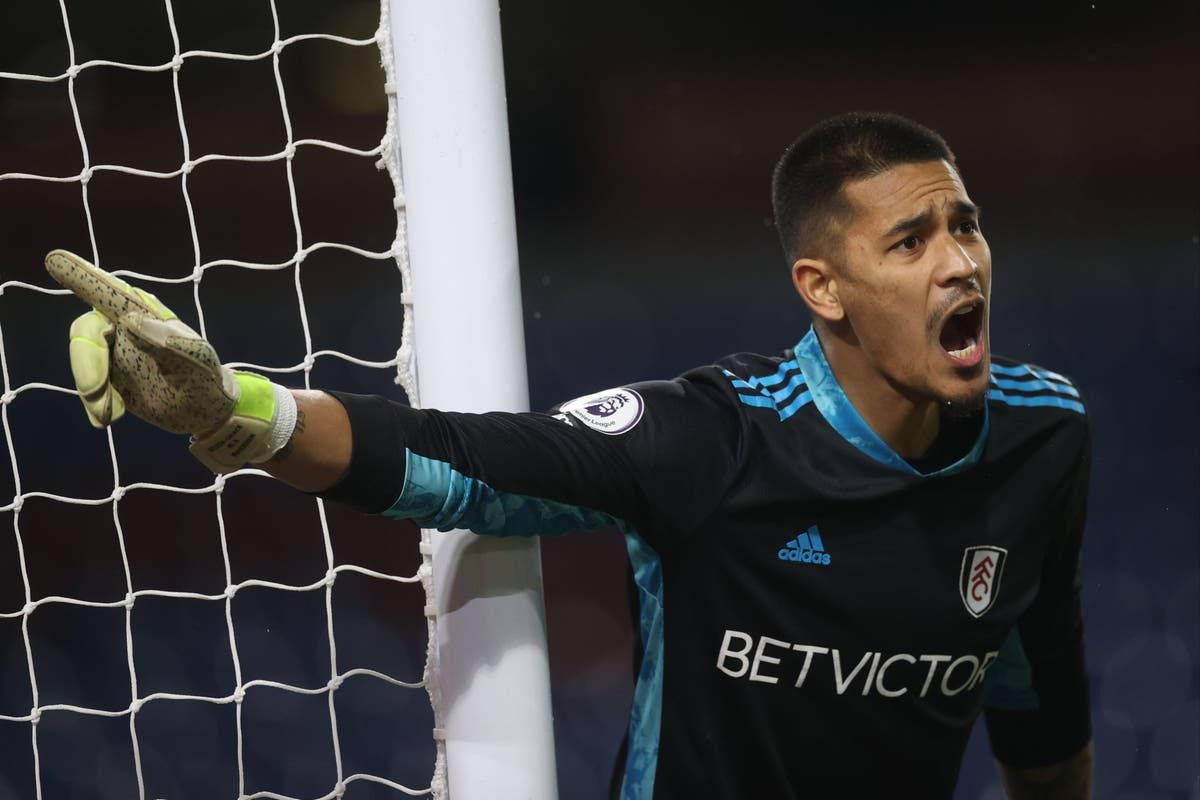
907	244
968	227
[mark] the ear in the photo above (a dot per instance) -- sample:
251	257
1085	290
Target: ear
816	282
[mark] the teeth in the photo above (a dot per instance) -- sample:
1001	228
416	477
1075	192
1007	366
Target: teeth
967	351
965	310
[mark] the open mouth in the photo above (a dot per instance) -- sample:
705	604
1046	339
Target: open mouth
962	334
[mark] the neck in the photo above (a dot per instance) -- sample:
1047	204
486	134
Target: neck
908	426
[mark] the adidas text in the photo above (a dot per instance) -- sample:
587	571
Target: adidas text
805	556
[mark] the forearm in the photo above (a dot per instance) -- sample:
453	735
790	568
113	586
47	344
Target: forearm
1066	780
318	454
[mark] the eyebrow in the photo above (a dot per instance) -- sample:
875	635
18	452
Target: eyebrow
962	208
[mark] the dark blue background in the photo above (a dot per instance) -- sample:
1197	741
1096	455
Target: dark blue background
643	135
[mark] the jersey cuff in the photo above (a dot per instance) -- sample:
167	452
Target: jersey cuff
375	477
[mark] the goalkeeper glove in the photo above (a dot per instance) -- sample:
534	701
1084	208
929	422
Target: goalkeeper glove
132	352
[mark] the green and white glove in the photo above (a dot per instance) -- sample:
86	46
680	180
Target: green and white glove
132	352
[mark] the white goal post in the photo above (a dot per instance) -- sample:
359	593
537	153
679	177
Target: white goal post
470	347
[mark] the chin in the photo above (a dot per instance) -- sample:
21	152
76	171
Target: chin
966	402
965	406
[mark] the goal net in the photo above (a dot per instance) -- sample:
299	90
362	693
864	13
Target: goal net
164	633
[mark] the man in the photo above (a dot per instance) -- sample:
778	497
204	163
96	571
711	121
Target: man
842	553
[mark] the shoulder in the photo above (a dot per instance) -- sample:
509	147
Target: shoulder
730	393
1029	386
1030	401
774	383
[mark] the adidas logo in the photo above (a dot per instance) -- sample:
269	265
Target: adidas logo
806	548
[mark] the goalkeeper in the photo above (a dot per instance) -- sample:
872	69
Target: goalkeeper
845	553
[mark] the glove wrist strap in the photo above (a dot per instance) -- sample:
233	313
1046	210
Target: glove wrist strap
262	422
282	426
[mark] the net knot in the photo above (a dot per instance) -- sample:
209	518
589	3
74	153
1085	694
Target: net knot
73	71
330	577
85	176
128	601
188	166
300	256
239	694
230	591
8	397
28	608
335	683
219	484
197	273
289	152
276	47
309	362
118	492
18	501
35	715
136	705
176	62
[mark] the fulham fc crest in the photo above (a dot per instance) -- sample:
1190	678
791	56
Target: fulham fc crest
979	580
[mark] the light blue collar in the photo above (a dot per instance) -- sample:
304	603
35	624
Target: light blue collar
839	412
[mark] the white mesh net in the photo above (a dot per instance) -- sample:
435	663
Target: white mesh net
60	533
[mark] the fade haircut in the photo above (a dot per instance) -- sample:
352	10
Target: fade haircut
806	187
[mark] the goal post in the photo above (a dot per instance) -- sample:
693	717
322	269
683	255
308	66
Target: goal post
493	673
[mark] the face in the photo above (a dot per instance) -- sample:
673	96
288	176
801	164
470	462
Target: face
915	281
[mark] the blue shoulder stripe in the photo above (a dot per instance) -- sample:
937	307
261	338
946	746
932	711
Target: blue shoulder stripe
1036	384
791	408
738	383
778	376
763	397
783	394
1028	370
1051	400
756	400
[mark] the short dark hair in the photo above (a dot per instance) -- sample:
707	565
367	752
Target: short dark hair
806	188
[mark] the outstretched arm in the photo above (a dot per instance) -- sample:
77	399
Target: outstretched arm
605	459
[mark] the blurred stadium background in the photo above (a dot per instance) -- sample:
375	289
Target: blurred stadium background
643	134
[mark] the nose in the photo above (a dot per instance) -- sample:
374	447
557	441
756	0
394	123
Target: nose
957	263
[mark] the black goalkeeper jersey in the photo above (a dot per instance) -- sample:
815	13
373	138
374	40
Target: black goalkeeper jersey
818	618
